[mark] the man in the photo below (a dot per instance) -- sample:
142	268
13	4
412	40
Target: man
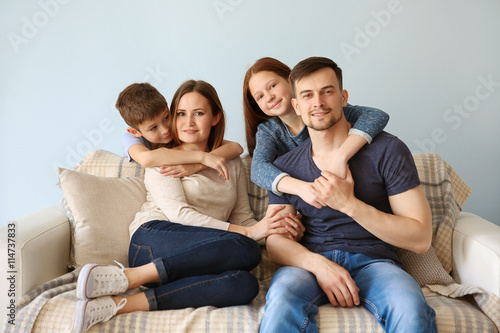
347	255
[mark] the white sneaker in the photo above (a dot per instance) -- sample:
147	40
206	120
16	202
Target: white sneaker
91	312
101	280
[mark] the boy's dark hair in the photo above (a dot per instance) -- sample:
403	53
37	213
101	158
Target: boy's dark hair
139	102
311	65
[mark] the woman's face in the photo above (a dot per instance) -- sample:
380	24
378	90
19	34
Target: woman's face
272	93
194	119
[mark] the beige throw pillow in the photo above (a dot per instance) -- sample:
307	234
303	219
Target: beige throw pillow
446	193
102	209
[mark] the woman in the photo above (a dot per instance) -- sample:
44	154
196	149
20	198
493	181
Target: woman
182	245
273	128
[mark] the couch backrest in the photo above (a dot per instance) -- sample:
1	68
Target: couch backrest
444	189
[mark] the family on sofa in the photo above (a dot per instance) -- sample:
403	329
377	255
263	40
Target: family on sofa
333	226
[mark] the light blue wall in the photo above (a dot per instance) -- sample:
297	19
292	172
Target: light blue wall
432	65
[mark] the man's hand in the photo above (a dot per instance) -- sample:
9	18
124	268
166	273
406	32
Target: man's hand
337	284
336	192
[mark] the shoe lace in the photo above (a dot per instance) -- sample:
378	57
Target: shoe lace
111	282
103	312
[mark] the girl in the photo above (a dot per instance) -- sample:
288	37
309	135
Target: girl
273	128
182	245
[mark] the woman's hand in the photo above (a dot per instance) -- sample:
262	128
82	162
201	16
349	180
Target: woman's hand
294	226
276	223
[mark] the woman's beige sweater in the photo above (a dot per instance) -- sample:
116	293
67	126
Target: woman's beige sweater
204	199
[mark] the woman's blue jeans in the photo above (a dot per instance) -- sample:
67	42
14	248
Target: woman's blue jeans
393	296
197	266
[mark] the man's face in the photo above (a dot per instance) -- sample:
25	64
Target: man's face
319	100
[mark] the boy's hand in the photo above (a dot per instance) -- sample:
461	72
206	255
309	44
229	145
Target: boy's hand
217	163
181	170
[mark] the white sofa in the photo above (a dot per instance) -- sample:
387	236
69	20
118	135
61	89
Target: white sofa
43	243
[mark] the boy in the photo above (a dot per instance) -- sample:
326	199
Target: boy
148	136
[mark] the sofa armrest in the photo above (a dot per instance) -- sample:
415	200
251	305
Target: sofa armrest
476	252
42	244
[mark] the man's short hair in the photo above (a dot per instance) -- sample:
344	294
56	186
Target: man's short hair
311	65
139	102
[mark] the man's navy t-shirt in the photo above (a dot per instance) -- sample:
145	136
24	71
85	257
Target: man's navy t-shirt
381	169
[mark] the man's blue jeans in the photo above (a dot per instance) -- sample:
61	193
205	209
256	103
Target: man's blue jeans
197	266
393	296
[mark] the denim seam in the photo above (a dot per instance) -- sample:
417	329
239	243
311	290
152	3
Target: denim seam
139	248
150	296
199	283
311	303
208	241
375	310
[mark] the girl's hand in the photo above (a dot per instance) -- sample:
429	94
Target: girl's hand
338	165
337	193
307	193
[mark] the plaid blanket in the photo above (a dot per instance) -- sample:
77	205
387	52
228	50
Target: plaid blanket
459	308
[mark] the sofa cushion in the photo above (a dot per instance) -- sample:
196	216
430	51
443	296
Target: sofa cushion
102	209
452	315
99	163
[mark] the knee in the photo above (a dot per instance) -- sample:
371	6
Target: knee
254	253
246	250
412	311
288	285
243	286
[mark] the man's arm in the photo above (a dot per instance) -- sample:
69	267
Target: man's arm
409	227
335	281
